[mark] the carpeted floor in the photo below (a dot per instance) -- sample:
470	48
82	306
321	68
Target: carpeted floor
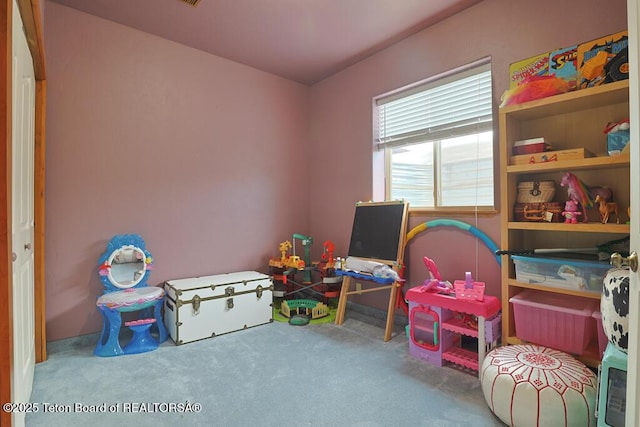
271	375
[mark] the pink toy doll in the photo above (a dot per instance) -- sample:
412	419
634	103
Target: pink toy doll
571	212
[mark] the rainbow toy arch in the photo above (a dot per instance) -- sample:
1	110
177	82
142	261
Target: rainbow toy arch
457	224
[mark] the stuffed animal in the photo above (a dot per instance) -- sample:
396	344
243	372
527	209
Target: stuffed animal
571	212
614	306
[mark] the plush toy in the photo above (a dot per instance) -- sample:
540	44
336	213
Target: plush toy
534	87
571	212
614	306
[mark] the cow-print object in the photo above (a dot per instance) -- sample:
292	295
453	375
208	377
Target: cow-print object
614	307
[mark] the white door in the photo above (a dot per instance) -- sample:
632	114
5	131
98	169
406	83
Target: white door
23	92
633	377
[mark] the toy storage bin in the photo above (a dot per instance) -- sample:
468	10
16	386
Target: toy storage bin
602	337
562	273
561	322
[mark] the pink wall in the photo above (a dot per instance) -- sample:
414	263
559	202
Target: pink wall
215	163
204	157
341	117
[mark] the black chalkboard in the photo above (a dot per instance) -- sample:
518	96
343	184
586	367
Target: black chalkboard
378	231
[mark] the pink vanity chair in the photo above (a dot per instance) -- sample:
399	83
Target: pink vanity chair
124	269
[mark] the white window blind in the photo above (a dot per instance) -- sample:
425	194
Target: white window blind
439	142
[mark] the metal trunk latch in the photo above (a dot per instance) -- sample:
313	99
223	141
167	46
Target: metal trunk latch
259	291
229	292
195	302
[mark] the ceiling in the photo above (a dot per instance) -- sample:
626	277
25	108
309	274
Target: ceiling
301	40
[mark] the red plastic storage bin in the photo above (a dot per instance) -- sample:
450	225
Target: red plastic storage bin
557	321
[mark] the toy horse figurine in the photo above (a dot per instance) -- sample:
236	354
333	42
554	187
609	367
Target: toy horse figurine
585	196
607	208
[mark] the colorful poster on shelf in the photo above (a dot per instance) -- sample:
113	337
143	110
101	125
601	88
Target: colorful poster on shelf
534	66
603	60
563	63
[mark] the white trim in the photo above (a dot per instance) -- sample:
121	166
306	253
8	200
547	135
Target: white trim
633	361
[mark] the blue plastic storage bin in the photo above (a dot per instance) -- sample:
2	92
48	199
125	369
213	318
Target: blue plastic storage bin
561	272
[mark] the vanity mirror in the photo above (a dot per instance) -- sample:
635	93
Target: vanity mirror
124	269
125	263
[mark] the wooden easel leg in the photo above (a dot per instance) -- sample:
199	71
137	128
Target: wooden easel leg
342	302
391	311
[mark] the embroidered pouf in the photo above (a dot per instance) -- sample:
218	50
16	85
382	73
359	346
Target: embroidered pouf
529	385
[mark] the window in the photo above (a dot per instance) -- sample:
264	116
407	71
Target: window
437	141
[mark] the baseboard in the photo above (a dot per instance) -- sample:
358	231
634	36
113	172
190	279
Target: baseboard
73	343
80	342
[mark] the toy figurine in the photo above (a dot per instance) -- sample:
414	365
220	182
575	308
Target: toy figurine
607	208
584	195
571	212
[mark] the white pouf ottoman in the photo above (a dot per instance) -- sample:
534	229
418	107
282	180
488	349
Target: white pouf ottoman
531	385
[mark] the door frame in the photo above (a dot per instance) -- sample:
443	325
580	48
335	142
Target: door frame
30	10
633	361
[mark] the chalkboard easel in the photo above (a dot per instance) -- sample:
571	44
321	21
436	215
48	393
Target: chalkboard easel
379	230
378	234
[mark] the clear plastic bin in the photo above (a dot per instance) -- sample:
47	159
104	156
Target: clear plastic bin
561	273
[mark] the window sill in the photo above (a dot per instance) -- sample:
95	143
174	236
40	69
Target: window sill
484	211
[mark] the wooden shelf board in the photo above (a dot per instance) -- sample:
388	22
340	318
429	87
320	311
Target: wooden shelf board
600	162
574	292
595	97
589	227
